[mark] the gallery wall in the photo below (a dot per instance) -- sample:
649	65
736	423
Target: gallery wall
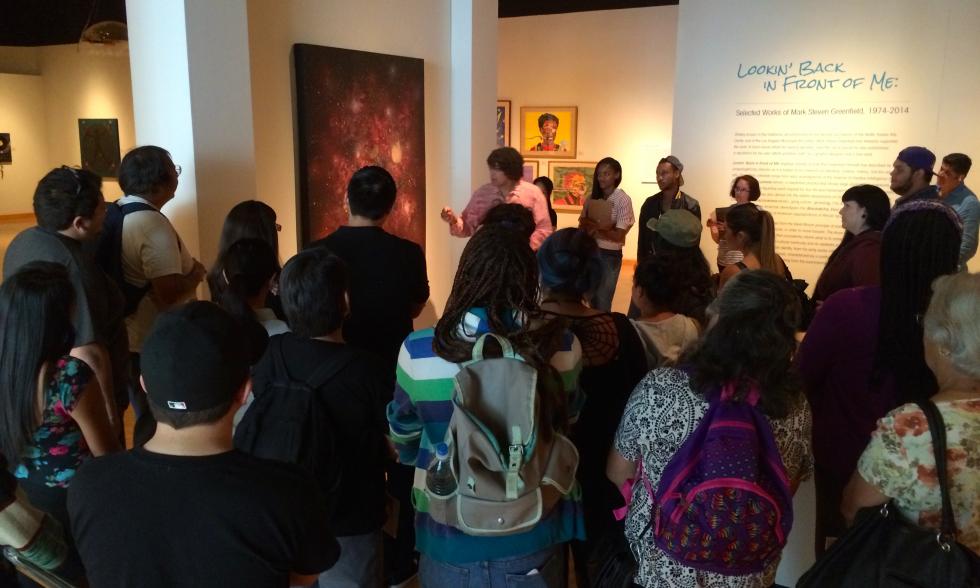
813	110
20	116
43	93
617	67
417	28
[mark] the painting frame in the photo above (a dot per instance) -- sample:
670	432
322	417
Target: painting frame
560	174
6	152
503	123
566	132
530	170
98	146
354	109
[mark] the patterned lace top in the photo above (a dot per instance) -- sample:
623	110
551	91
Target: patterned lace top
58	448
899	462
662	412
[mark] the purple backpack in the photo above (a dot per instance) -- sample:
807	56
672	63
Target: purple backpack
723	503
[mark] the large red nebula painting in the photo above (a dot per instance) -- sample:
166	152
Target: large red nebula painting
354	109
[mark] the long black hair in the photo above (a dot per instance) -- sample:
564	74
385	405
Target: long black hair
921	242
498	272
751	342
250	219
616	167
248	265
35	330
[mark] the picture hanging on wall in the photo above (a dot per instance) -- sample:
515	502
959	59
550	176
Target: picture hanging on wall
355	109
549	132
530	170
98	139
5	153
573	184
503	123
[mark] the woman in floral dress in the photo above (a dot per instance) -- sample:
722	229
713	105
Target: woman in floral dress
899	463
52	411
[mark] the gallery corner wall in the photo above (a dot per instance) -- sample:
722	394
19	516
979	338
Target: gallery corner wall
617	67
43	93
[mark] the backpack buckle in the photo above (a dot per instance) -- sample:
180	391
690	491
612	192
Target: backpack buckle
516	459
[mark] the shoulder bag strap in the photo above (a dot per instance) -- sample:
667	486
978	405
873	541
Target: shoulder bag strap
937	428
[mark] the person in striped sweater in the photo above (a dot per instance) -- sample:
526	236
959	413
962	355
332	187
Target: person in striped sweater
495	290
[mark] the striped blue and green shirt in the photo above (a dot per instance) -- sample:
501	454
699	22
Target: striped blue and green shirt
419	418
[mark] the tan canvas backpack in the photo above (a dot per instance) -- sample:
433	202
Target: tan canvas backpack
508	477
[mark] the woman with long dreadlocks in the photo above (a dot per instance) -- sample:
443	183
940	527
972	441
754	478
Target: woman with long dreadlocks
863	354
495	291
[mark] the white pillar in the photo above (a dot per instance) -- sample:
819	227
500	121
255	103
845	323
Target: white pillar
192	96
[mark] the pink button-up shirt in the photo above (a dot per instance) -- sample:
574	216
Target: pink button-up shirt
487	196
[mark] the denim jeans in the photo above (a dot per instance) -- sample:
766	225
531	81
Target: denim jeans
542	569
612	261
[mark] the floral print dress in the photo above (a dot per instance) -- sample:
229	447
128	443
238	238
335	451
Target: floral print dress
899	462
660	415
58	448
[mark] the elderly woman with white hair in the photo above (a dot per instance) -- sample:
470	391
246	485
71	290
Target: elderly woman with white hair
898	463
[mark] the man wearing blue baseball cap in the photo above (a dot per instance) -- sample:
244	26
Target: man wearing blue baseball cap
911	176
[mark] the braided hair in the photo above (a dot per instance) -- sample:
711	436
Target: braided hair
499	273
921	242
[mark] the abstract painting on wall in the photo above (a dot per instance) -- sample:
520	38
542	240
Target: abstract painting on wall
98	139
5	153
354	109
503	123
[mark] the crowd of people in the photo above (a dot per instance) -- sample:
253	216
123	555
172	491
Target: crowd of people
295	430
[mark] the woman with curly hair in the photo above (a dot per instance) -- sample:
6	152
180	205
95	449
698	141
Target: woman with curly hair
749	345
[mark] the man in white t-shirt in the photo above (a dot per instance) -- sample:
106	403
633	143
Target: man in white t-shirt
152	256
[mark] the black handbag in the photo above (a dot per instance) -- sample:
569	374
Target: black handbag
883	550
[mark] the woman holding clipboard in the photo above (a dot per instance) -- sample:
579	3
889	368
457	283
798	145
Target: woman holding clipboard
607	215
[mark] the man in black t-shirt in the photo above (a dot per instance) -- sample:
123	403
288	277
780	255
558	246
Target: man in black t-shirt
313	290
388	288
187	509
388	282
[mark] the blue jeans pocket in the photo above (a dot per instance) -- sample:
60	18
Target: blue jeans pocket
437	574
549	574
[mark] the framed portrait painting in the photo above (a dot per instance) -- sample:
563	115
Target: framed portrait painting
548	132
573	184
5	154
503	123
530	171
353	109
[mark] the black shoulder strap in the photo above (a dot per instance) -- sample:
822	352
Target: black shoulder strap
937	428
323	373
741	265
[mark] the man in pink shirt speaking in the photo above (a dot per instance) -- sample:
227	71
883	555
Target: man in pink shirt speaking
506	167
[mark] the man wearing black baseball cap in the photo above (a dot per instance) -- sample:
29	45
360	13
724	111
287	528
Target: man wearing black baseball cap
187	509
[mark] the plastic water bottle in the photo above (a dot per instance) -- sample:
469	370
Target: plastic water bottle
439	479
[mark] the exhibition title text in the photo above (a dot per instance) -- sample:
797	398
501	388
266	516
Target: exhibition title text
814	75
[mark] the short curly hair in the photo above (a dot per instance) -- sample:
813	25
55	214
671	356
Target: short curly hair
951	320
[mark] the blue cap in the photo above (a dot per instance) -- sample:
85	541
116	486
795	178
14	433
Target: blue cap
442	450
918	158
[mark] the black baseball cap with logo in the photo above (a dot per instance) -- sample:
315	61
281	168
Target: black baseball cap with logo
194	358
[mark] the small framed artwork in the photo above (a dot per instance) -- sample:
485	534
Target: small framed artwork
503	123
530	170
573	184
549	132
98	139
5	154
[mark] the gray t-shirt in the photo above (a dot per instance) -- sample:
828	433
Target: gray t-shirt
98	302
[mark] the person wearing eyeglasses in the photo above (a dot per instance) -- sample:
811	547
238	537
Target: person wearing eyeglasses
70	212
954	192
157	271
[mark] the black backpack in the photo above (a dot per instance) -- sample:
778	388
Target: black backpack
108	252
290	422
